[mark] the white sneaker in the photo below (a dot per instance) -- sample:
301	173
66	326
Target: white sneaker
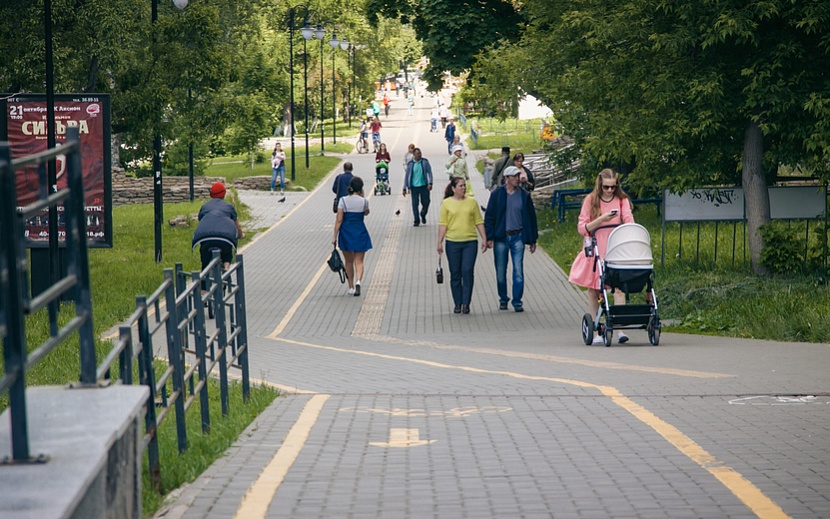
622	338
598	340
351	291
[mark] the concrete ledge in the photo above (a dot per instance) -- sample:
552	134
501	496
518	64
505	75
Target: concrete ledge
93	438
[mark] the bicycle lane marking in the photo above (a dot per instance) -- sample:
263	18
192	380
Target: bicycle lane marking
261	493
750	495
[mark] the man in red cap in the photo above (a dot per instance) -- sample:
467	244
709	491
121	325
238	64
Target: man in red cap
218	227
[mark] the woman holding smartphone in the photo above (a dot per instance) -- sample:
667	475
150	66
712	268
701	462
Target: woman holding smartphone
607	204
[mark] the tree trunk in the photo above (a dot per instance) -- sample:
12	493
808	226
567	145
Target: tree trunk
756	195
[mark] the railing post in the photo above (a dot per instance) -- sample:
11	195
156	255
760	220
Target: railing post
174	354
78	258
14	345
221	337
242	323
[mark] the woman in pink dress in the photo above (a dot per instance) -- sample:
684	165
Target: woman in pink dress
607	204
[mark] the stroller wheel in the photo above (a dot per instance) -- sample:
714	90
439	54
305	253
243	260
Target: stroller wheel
587	329
608	336
654	331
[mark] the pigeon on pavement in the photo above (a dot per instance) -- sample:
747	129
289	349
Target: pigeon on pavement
281	200
397	212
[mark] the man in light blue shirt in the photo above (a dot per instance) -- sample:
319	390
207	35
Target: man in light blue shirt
418	181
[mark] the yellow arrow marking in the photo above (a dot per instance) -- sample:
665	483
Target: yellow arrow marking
403	438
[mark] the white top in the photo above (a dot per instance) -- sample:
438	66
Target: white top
353	204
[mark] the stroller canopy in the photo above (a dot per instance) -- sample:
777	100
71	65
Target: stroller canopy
629	245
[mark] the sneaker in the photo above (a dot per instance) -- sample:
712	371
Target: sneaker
282	193
357	288
622	338
519	308
598	340
351	291
502	306
424	220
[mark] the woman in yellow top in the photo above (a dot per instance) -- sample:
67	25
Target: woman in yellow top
458	221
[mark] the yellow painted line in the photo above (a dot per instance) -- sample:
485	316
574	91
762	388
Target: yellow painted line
296	306
742	488
549	358
749	494
259	496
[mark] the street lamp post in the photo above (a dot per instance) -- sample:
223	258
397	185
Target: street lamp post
320	33
291	27
158	199
334	42
307	32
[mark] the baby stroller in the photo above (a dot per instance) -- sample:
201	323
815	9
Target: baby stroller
627	266
382	186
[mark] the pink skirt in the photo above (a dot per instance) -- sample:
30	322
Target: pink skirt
583	273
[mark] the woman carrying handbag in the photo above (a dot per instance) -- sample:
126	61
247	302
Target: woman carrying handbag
458	222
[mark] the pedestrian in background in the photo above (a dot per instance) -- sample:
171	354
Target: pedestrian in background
457	167
340	188
510	224
408	156
497	178
418	180
449	135
278	168
351	235
526	179
458	221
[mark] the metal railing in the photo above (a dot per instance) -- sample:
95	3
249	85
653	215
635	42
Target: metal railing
180	305
15	302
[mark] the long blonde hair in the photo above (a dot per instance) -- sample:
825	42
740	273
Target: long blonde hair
605	174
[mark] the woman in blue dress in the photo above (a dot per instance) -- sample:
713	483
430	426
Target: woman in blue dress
350	233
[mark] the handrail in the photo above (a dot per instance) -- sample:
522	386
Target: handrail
15	302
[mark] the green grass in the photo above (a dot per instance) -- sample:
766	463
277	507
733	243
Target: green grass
519	135
711	297
203	449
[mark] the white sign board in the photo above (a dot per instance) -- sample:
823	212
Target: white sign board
706	204
797	202
727	204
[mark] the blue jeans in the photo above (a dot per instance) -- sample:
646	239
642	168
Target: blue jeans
461	260
419	193
516	247
274	173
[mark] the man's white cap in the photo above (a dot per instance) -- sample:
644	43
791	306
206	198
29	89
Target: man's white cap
510	171
457	147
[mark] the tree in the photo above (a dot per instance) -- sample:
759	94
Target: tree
686	94
452	31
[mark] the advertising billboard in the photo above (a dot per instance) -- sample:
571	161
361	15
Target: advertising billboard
24	127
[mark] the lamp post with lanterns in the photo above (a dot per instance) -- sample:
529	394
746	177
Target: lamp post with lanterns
343	44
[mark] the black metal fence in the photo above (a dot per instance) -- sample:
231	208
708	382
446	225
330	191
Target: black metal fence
15	302
182	305
179	310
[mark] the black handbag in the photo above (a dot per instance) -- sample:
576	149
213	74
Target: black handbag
439	272
335	263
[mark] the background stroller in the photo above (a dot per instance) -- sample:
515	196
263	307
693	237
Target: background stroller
382	186
627	266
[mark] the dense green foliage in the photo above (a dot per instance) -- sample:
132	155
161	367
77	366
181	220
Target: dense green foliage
216	71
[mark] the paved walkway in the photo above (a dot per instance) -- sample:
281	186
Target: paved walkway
395	407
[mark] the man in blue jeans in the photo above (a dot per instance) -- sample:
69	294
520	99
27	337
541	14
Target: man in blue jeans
418	181
510	224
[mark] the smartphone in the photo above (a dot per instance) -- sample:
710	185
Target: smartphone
614	211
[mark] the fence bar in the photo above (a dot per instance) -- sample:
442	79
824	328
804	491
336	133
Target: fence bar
201	353
174	355
242	325
14	344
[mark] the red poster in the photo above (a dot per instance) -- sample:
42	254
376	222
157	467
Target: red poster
26	132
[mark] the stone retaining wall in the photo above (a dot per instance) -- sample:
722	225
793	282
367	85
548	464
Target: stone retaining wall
129	190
